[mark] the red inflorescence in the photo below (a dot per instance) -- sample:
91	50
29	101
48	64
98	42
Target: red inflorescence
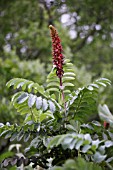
106	125
58	58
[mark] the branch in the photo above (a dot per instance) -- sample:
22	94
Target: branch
48	10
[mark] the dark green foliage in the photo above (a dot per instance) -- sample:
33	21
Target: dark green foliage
79	164
85	97
55	128
68	78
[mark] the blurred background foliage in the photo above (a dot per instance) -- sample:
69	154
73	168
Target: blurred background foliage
86	31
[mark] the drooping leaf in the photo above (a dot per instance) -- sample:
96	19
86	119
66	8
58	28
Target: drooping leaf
108	144
13	136
86	148
98	157
31	100
22	98
105	114
8	135
38	102
20	135
26	137
51	106
44	104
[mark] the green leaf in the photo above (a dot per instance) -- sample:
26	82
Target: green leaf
26	137
68	84
31	100
79	101
66	61
53	81
72	144
20	135
53	97
90	88
109	159
87	137
17	83
69	74
68	65
66	142
78	144
51	106
68	79
4	132
70	127
102	149
98	158
13	136
46	115
77	164
44	104
67	91
96	123
105	114
11	82
53	89
38	102
82	103
75	124
54	141
86	148
8	135
96	142
22	98
53	84
95	85
35	142
24	111
1	125
103	82
30	87
108	143
41	89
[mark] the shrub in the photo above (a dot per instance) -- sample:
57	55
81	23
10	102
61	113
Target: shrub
57	130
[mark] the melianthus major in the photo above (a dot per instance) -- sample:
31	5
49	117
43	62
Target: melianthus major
58	58
46	112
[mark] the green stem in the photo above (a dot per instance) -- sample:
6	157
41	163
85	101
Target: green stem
79	155
32	116
110	167
61	85
62	93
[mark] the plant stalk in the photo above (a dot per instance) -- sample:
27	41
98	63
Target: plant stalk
63	96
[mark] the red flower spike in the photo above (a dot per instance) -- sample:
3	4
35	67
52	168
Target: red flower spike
106	125
58	58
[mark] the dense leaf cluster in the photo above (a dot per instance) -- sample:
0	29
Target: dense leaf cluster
58	130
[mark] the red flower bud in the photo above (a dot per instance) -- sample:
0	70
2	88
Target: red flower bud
106	125
58	58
